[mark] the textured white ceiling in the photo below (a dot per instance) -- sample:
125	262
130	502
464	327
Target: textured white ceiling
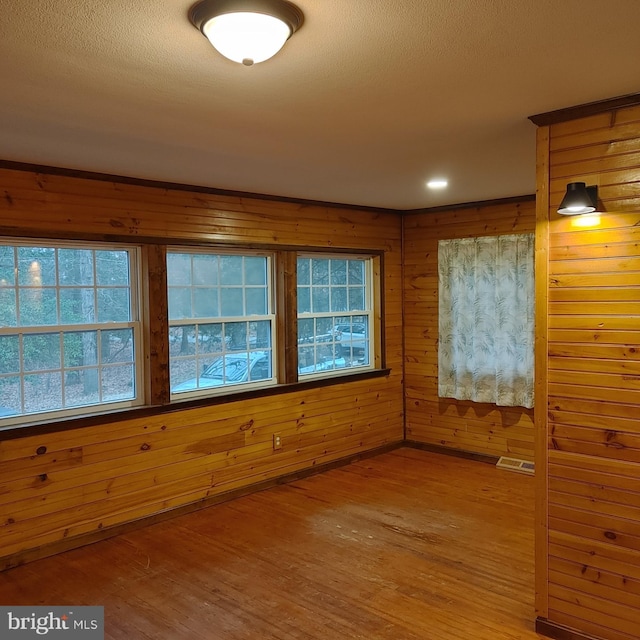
365	103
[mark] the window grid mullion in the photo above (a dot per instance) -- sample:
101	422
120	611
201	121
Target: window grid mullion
55	397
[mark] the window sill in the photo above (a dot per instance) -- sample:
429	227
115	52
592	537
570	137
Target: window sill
34	428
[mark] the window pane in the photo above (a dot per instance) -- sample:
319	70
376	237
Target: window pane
260	366
356	299
338	272
182	340
304	271
113	305
205	270
75	267
255	270
324	326
231	269
10	396
320	299
304	299
256	301
7	266
320	271
179	304
306	330
231	301
210	338
356	271
339	299
9	354
36	266
42	392
118	383
178	269
82	388
77	306
183	375
38	307
80	348
305	357
205	302
116	346
261	333
237	336
41	351
112	268
8	316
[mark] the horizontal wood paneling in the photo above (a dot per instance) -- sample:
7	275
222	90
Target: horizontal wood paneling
447	422
102	476
594	380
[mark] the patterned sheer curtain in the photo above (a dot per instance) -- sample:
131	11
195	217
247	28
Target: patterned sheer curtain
486	319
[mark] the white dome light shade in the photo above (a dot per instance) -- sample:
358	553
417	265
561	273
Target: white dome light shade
247	37
247	31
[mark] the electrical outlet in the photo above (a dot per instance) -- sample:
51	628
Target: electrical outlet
277	441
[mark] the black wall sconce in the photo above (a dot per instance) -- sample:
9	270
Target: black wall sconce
579	199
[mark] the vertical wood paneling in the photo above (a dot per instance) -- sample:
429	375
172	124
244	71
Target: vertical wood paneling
541	365
102	476
594	380
467	426
155	314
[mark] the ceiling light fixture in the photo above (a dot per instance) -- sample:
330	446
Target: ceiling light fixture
438	183
579	199
247	31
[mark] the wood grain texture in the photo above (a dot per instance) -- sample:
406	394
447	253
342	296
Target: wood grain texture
155	314
386	548
115	472
466	426
541	372
593	436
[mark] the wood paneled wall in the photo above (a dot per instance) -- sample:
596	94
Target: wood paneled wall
97	477
591	581
467	426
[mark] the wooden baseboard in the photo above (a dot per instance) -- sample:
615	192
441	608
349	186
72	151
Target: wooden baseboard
558	632
29	555
458	453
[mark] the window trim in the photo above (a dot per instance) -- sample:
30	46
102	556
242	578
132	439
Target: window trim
153	303
373	291
271	317
135	324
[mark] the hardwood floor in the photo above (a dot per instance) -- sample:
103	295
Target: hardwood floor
408	545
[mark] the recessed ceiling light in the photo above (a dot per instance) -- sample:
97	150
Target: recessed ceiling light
438	183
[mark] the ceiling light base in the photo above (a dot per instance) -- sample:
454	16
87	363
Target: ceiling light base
246	31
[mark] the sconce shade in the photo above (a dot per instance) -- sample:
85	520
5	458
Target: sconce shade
579	199
247	31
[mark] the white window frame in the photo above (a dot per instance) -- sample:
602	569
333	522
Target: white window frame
134	324
368	313
228	388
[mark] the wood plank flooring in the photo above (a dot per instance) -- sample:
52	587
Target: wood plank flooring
408	545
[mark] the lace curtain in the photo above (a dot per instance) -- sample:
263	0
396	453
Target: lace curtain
486	319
